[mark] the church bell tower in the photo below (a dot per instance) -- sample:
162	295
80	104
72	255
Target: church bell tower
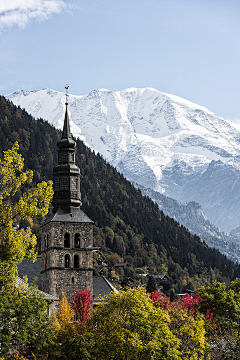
67	235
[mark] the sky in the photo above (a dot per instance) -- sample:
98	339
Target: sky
188	48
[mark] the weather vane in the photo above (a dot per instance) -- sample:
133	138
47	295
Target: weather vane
66	87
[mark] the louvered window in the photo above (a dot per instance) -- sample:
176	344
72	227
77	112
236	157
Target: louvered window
64	183
56	183
65	157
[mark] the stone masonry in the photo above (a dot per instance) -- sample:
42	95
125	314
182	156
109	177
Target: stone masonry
59	272
67	235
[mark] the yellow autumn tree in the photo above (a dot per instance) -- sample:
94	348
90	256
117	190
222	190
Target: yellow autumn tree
72	338
126	325
16	204
190	330
64	317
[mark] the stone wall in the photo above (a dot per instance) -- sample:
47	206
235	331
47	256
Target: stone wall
66	265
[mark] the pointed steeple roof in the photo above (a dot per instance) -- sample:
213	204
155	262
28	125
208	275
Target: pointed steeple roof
66	127
66	139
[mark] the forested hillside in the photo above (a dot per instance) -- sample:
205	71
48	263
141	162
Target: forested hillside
128	226
191	216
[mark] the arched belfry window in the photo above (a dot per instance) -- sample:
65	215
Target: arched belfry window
76	261
77	241
67	261
67	240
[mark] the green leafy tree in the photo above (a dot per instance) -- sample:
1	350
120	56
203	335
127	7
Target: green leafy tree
222	303
17	203
126	325
24	321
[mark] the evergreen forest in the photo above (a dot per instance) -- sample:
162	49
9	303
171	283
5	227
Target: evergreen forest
128	226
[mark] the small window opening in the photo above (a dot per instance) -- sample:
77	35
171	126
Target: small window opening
65	157
65	183
76	261
77	241
67	240
67	261
72	280
56	183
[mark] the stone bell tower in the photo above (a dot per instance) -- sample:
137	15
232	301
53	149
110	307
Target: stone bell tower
67	235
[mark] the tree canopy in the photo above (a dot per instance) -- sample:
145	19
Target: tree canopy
24	321
17	202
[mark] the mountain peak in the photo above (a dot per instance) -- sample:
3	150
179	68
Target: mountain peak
155	139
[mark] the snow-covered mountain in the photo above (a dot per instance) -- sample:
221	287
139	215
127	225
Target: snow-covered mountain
157	140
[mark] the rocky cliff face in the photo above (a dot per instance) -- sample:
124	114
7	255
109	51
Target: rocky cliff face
157	140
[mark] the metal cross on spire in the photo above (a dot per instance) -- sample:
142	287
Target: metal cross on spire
66	87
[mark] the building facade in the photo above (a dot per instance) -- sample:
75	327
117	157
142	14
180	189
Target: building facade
67	235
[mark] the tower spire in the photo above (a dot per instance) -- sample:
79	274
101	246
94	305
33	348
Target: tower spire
67	236
66	174
66	127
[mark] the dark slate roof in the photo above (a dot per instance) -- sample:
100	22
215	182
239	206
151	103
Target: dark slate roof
101	288
30	269
122	264
158	276
66	127
63	216
20	283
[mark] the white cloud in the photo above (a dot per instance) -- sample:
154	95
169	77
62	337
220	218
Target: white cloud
21	12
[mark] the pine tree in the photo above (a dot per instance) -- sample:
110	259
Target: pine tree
151	285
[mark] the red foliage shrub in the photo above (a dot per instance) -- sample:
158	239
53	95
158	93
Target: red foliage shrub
82	302
186	302
160	300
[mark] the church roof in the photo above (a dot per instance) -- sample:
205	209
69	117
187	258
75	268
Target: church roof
22	284
32	270
101	288
101	285
78	216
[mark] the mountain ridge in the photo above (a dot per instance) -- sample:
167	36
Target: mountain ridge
191	216
157	140
128	226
